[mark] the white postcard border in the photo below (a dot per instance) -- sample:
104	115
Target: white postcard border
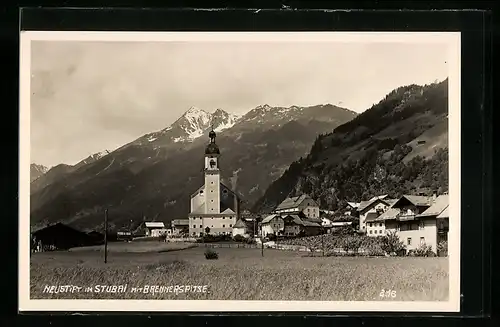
452	39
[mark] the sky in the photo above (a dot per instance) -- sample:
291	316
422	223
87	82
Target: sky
89	96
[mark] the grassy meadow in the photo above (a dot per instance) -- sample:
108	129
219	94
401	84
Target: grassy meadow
240	274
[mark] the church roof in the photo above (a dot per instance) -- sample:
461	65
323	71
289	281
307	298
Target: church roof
200	210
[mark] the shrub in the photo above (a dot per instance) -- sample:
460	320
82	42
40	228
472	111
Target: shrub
423	250
250	240
442	249
391	244
211	254
352	243
213	238
373	246
239	238
271	237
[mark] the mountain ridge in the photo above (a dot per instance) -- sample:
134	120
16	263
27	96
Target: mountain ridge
397	146
151	178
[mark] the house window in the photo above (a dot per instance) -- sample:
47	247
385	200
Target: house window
422	240
370	224
375	231
211	200
223	226
211	182
230	225
408	241
194	226
380	224
223	217
225	191
421	225
370	232
201	192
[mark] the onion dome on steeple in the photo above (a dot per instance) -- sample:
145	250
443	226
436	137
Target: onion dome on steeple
212	148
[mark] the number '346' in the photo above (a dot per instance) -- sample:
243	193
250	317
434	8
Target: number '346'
388	293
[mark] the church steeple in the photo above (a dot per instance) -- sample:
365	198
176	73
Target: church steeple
212	148
212	176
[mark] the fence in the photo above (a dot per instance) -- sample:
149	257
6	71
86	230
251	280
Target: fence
229	245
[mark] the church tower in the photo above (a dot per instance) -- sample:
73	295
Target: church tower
212	176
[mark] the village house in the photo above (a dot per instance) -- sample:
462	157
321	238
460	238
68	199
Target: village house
352	209
272	224
180	227
295	225
213	205
244	227
154	228
438	212
371	209
414	219
299	204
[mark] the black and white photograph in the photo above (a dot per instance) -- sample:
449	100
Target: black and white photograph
257	171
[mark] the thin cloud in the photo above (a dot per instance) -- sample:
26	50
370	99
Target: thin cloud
91	96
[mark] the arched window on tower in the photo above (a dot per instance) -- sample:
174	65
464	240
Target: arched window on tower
212	163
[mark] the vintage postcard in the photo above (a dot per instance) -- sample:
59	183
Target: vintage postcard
239	171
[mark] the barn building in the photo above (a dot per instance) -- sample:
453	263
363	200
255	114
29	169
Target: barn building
154	228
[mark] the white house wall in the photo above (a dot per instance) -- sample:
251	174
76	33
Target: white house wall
428	232
377	228
218	225
362	217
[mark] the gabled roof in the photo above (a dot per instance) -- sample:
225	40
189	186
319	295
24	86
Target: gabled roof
438	207
154	224
310	223
269	218
295	218
416	200
353	205
366	204
389	214
240	224
302	221
444	214
378	197
372	216
293	202
390	202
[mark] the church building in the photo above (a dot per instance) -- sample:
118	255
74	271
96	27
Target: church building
214	205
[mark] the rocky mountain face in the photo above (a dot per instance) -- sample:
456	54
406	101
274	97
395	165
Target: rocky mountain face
153	177
398	146
36	171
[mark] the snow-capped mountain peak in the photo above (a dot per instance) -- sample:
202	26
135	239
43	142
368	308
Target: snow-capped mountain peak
193	123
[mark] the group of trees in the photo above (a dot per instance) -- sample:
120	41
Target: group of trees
355	244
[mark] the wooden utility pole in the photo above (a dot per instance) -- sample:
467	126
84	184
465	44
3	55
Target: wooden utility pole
262	243
323	239
106	236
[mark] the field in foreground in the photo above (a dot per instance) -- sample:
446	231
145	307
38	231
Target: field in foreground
242	274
